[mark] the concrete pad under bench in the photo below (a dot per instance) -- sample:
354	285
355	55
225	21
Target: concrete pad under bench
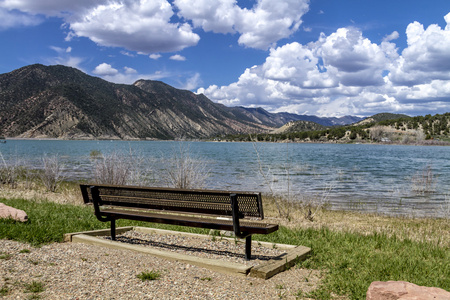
264	270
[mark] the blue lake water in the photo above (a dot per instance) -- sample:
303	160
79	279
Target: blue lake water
386	179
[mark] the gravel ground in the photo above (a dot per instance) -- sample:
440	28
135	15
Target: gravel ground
80	271
217	248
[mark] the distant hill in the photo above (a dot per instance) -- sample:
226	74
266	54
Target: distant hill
298	126
63	102
381	117
393	128
282	118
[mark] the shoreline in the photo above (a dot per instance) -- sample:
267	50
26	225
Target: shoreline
431	143
436	230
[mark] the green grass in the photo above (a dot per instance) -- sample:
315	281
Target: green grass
350	261
4	291
49	221
34	287
152	275
5	256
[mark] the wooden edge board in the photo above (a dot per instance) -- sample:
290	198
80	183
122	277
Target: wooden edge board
264	271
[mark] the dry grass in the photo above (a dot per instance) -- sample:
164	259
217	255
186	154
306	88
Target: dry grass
64	195
436	231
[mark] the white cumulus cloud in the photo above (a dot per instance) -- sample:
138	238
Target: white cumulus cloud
151	26
142	26
346	73
105	69
427	56
178	57
155	56
259	27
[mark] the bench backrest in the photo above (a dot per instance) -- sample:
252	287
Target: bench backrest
193	201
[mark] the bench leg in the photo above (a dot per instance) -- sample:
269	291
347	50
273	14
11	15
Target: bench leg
248	247
113	229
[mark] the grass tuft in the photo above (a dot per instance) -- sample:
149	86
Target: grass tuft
152	275
34	287
206	278
4	291
5	256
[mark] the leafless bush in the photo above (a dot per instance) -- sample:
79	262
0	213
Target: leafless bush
9	172
311	205
140	170
377	133
424	181
112	169
413	137
29	177
184	171
120	169
52	172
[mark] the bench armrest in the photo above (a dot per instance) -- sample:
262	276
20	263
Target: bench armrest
97	203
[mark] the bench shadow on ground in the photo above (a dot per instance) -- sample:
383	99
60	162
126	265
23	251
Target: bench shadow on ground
267	265
176	247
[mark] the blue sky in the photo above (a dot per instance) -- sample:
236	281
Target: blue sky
317	57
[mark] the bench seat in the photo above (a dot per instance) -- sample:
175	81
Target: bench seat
217	223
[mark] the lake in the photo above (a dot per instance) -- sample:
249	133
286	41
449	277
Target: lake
387	179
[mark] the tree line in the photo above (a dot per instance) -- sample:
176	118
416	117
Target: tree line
404	129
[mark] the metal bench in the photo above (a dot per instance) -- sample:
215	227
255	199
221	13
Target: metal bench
221	210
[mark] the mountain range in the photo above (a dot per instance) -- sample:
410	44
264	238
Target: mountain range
39	101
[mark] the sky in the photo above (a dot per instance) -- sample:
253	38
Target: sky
328	58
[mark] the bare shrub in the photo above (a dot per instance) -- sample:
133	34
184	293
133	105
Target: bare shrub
185	171
51	175
420	136
112	169
120	169
29	177
140	170
413	136
10	172
377	133
311	205
424	181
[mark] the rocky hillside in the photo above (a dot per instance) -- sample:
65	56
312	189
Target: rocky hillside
391	128
380	117
298	126
63	102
